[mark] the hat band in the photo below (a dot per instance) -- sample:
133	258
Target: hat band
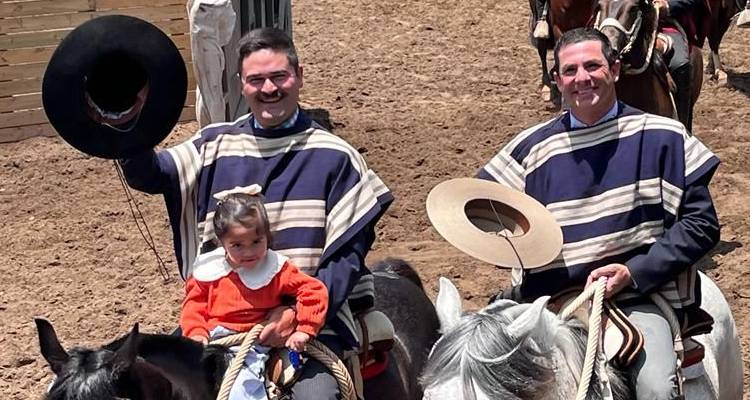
123	121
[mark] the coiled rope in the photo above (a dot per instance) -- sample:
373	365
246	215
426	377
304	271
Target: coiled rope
596	290
315	349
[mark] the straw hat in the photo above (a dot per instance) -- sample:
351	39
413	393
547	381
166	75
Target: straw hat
114	87
494	223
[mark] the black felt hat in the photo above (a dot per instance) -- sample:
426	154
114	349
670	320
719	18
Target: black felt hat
114	87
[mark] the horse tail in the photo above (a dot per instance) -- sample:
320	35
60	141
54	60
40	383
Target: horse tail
400	267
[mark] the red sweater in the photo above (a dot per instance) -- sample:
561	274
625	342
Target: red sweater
228	302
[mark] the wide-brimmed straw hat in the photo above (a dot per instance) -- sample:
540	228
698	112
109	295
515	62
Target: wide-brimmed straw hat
114	87
494	223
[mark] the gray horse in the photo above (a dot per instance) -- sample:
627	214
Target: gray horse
523	351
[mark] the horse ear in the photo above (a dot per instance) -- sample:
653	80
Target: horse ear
125	355
528	320
50	346
448	305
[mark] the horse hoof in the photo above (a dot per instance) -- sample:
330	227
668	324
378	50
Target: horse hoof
722	78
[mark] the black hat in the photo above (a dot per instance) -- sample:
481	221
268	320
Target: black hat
114	87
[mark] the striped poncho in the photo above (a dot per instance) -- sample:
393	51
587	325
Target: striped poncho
322	200
630	190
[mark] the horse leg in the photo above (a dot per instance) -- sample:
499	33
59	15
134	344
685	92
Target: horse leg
696	63
546	78
718	72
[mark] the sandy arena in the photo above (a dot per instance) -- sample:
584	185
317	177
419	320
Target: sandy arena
426	90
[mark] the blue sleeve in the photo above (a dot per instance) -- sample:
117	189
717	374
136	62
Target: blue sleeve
148	172
343	269
694	234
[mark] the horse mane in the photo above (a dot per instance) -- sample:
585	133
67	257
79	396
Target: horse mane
486	357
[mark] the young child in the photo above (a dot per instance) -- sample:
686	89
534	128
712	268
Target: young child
233	287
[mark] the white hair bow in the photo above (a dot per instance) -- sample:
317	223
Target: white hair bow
250	190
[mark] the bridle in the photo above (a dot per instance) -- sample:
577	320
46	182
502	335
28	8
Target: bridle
631	35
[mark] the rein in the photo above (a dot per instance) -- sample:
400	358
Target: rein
631	34
315	349
596	290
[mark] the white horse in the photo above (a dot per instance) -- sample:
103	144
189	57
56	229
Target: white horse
523	351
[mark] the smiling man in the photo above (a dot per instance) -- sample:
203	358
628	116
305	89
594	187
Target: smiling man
323	201
630	192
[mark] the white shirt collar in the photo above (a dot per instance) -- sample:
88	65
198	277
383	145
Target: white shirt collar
213	265
576	123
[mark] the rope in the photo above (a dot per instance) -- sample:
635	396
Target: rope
145	232
674	325
248	339
595	323
315	349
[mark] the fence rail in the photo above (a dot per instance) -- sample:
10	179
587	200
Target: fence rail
30	30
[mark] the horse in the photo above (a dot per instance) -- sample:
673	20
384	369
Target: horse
523	351
631	27
563	15
722	12
167	367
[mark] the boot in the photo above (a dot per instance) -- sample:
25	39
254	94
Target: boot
683	95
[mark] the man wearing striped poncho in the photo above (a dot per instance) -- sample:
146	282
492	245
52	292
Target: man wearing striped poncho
630	192
322	200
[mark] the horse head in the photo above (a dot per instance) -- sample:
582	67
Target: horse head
630	26
102	373
507	350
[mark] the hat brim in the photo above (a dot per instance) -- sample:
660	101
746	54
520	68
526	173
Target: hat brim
458	207
64	85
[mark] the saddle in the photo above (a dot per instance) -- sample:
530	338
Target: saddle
623	341
376	336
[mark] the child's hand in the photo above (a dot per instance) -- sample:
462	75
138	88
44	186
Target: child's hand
297	341
200	339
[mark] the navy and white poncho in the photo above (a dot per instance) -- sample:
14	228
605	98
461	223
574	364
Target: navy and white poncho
631	190
322	200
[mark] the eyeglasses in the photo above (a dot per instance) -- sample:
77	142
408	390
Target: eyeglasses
277	78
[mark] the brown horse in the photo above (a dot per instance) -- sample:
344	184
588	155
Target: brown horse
562	15
631	26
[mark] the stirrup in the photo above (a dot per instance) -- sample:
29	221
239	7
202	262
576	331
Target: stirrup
541	31
743	21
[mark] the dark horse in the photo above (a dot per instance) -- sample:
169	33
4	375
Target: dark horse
562	15
142	366
721	14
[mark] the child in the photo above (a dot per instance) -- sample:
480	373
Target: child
233	287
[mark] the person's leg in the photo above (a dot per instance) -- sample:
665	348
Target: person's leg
654	371
316	381
679	68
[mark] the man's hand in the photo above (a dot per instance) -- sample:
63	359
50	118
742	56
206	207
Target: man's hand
618	278
281	324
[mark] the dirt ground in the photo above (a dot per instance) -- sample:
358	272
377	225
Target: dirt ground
426	90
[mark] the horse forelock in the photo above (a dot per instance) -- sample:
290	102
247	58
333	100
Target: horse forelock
87	375
480	356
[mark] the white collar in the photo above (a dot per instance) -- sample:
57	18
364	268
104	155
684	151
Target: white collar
213	265
576	123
